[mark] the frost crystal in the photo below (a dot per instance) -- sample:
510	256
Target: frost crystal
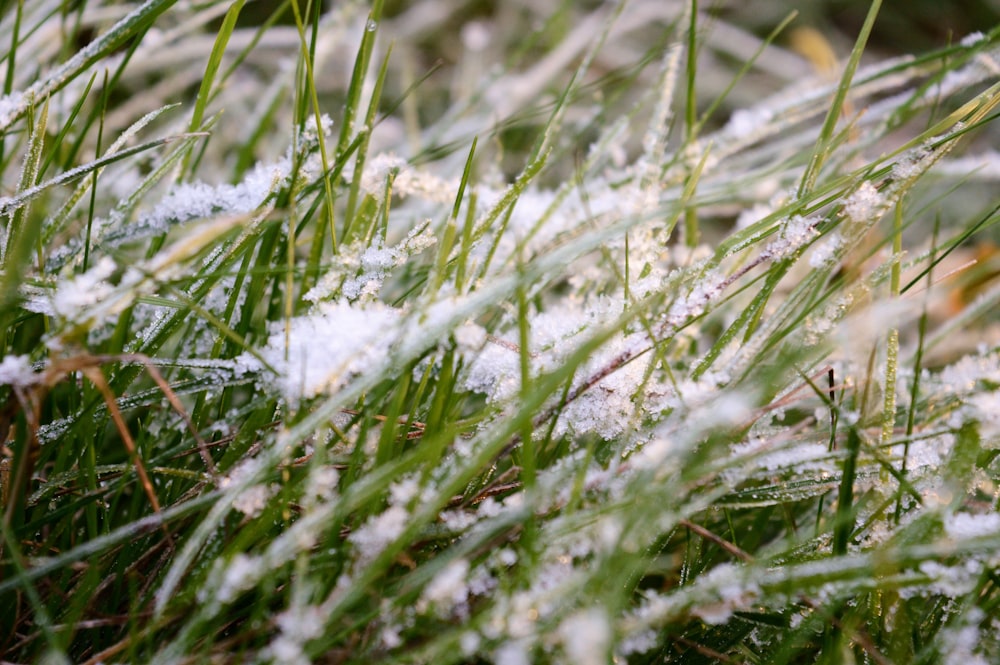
864	204
586	637
795	233
241	574
74	299
964	525
16	371
448	590
378	532
329	347
826	251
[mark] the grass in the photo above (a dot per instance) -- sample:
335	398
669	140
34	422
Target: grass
329	336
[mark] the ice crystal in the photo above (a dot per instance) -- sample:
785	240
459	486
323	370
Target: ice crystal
378	532
448	590
864	204
329	347
586	637
17	371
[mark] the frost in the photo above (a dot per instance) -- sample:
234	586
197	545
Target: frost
17	371
360	273
732	594
475	36
795	232
973	38
378	532
963	525
744	123
985	409
469	643
586	637
865	204
240	574
252	500
74	299
952	581
826	251
329	347
448	590
514	652
963	376
297	626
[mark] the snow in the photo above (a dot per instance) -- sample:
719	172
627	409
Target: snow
240	574
964	525
75	299
865	204
378	532
448	589
330	346
17	371
586	637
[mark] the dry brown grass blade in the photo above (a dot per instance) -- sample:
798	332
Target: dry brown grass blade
96	377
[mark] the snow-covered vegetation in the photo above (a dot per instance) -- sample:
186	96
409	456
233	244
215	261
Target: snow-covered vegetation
605	332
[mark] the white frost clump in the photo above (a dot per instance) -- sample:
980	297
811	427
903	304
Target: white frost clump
826	251
795	232
75	299
378	532
16	371
297	625
963	376
864	204
330	346
361	275
586	637
252	500
744	123
241	574
732	591
448	590
964	525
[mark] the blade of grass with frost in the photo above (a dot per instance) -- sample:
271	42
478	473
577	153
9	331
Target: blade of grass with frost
57	222
823	145
362	152
20	236
360	71
306	90
208	80
450	231
87	238
132	25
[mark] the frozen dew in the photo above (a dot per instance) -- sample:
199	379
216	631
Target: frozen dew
448	590
475	36
796	232
17	371
330	346
973	38
74	300
965	525
825	251
252	501
240	574
694	303
469	643
513	652
964	375
586	637
378	532
745	123
865	204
